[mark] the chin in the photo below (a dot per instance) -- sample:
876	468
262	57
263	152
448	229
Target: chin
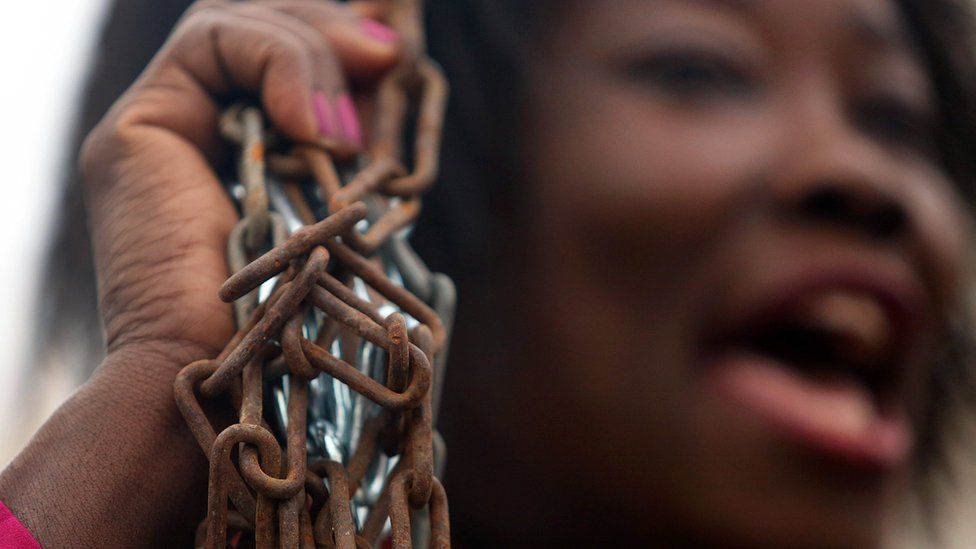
750	486
812	535
767	521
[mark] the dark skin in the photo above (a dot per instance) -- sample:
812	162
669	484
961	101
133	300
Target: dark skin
115	465
675	144
674	148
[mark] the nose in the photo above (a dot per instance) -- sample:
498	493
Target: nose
835	177
855	208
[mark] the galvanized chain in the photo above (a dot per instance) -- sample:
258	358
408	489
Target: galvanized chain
342	333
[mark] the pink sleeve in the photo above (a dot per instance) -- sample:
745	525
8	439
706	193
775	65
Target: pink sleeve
13	534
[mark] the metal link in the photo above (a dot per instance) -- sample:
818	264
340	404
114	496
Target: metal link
321	307
430	128
245	125
299	244
272	321
238	258
334	523
367	386
219	465
419	437
400	512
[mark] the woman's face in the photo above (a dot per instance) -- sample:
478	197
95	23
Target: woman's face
744	251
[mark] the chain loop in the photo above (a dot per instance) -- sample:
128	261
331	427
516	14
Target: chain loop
345	282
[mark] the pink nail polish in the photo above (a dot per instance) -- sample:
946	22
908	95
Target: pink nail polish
348	119
325	116
378	31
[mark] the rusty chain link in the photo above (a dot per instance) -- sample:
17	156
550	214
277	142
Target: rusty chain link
339	357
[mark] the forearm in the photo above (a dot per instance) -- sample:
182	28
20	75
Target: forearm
114	466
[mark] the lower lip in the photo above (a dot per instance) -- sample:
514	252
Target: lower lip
837	418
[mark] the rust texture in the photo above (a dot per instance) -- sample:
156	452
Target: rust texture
261	482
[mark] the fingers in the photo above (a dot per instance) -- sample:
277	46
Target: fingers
365	46
159	215
292	53
366	8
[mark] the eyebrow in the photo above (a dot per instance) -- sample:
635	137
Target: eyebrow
882	33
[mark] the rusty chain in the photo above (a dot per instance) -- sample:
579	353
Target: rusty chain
342	335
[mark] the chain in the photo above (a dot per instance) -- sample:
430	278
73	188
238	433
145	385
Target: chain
336	367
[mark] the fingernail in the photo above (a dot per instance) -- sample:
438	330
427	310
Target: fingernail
325	115
378	31
348	119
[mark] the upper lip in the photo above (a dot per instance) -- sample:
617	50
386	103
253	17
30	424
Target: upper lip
896	289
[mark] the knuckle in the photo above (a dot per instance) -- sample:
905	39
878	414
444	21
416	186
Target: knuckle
297	34
90	155
96	151
196	26
283	47
108	141
200	14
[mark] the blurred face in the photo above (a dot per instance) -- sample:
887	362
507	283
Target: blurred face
744	252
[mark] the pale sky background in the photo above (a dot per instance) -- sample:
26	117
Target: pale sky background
47	46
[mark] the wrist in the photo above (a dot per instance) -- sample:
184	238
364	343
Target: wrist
149	470
152	363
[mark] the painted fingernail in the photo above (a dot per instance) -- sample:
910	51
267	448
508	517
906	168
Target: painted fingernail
378	31
325	115
348	119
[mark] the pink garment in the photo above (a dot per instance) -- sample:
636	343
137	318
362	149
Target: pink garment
13	534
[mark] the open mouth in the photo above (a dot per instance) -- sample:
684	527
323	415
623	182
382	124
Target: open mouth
825	367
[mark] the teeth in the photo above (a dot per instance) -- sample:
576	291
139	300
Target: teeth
858	326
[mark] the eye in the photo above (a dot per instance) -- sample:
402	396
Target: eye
694	75
897	122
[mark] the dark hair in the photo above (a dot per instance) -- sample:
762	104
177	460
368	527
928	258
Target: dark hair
944	33
482	45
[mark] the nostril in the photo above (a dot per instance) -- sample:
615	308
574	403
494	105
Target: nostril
826	204
887	223
875	216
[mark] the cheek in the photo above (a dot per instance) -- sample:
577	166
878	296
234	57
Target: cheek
630	197
945	228
637	189
615	163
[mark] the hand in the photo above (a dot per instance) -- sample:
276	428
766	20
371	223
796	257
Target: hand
115	466
159	216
